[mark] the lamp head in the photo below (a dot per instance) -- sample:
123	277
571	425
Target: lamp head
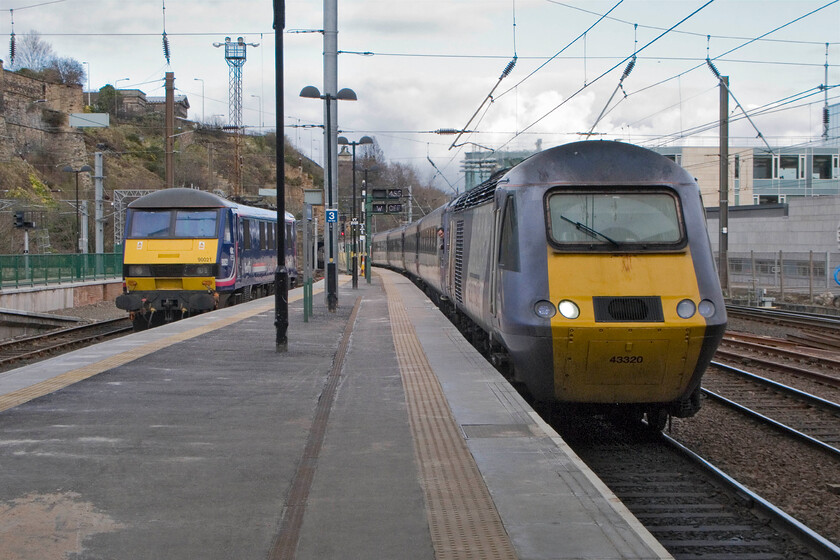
346	94
310	92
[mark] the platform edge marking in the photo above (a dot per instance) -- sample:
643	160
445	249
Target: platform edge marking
463	520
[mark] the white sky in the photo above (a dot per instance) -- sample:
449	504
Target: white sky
436	60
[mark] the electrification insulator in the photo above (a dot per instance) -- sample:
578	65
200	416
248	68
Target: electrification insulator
166	48
12	50
713	68
825	116
509	68
447	131
630	66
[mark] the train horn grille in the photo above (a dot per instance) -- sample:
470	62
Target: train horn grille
644	309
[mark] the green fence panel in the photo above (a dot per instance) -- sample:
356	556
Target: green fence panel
18	271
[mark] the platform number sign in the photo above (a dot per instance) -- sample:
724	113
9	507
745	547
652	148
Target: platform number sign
332	216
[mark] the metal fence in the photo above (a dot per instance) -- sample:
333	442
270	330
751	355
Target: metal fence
18	271
785	273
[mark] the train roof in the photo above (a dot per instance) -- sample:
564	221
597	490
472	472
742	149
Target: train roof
194	198
596	162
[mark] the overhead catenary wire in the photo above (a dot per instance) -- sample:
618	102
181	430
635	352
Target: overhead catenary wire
718	58
725	85
691	33
649	43
627	70
558	53
505	73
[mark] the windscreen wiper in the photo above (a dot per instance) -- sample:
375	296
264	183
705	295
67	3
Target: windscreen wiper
589	230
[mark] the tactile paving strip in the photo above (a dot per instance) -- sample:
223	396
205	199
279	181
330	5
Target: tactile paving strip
463	520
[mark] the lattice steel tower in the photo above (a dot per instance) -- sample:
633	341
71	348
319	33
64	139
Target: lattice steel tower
235	56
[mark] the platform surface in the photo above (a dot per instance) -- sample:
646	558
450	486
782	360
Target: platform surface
381	433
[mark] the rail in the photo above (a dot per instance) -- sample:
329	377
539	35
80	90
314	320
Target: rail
17	271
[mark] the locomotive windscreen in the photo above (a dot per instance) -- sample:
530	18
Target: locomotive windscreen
610	218
173	224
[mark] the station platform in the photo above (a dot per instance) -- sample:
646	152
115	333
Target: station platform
380	434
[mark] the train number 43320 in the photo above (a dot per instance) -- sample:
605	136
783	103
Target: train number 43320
627	359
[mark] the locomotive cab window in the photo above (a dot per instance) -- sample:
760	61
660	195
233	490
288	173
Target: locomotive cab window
150	224
610	220
195	223
172	224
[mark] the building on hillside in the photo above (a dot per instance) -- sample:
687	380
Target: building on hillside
135	103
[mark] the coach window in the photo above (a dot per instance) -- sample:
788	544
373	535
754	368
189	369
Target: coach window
246	234
509	240
263	237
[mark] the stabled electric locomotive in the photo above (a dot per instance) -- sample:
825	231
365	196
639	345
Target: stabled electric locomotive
587	268
188	251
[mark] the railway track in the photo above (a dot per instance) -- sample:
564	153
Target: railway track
801	415
781	355
813	329
692	508
17	351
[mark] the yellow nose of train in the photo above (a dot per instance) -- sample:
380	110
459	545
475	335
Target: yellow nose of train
626	329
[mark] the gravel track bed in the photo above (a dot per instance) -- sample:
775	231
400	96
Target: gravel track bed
791	475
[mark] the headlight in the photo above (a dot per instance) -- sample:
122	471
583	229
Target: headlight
568	309
139	270
198	270
686	309
706	308
545	309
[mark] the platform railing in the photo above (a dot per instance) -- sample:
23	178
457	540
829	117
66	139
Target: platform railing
18	271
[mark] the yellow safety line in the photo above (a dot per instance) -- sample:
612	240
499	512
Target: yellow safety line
463	520
53	384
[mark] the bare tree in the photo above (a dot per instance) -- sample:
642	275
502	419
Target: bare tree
64	70
32	52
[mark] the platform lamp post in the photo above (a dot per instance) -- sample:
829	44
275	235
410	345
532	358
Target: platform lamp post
344	94
202	97
82	169
88	81
354	219
117	95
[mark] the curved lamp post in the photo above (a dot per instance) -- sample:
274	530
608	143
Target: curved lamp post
344	94
354	223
